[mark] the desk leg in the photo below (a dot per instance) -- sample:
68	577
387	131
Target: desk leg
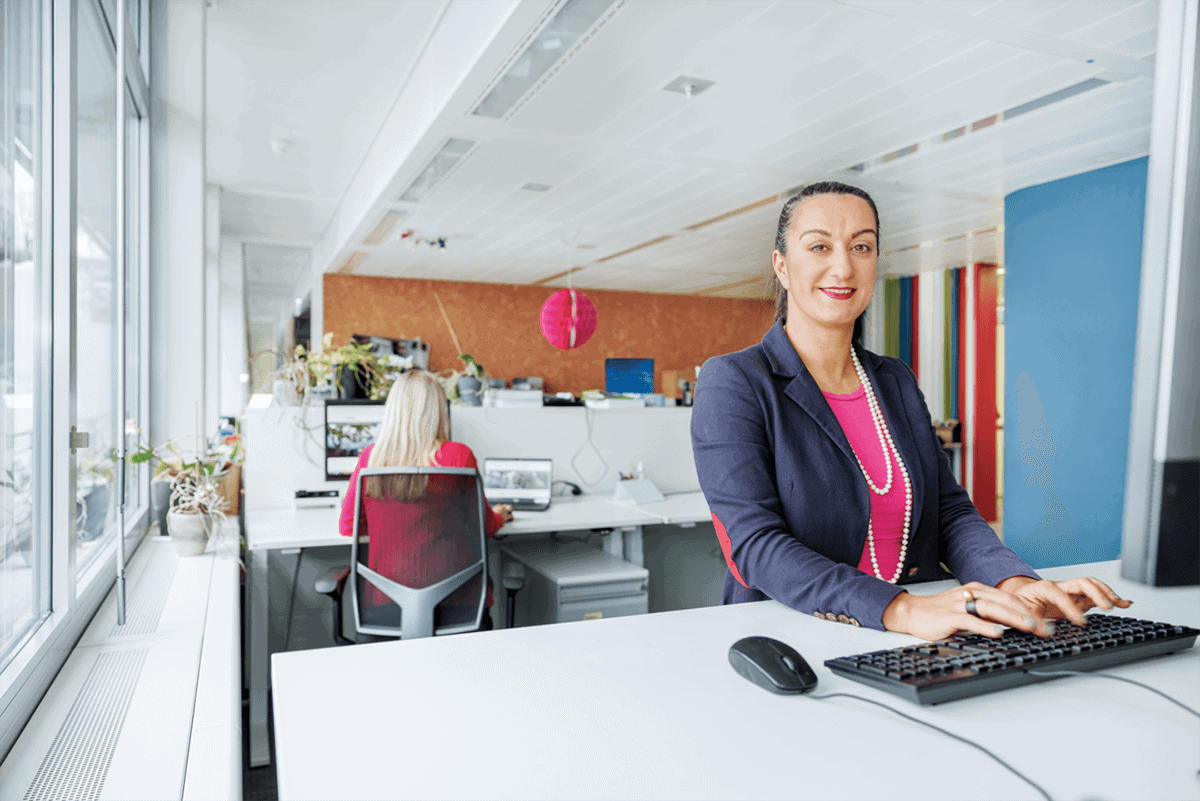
632	546
614	543
259	668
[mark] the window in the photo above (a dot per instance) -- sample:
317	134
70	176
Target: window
23	525
95	289
61	326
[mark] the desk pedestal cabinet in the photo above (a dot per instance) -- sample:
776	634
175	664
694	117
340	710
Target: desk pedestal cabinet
568	581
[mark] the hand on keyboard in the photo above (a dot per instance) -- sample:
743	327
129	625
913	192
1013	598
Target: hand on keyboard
935	617
1021	603
1064	599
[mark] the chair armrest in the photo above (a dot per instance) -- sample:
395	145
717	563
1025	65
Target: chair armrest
330	583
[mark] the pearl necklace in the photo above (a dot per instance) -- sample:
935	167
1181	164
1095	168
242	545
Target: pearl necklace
885	441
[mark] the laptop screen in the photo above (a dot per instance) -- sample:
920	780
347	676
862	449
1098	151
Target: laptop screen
517	479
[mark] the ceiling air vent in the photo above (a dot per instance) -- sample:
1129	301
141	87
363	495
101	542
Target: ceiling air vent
542	54
438	168
981	124
532	187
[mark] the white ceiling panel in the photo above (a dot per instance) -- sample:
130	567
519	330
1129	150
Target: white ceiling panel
802	91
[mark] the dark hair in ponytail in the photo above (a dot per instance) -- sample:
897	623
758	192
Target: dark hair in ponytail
785	227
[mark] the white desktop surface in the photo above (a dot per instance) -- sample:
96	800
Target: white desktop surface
648	707
310	528
680	507
272	529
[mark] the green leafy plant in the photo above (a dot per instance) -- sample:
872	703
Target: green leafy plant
359	360
471	367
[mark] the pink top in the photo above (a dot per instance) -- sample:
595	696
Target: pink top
887	511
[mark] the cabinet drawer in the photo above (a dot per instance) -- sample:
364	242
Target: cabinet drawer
602	608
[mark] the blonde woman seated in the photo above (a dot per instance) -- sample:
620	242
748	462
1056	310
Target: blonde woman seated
415	432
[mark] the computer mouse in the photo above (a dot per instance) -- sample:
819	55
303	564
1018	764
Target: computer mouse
772	665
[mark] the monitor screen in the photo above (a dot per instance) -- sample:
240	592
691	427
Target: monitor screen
350	426
629	375
517	479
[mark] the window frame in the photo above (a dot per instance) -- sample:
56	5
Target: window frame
68	600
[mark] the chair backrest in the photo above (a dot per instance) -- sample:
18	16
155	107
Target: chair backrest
421	568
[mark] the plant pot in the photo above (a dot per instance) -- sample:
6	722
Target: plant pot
468	390
189	532
91	511
160	503
351	383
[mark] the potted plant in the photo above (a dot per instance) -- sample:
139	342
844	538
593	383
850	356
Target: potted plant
196	506
355	369
215	466
470	380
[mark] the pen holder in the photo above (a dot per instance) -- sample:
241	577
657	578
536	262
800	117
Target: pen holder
636	491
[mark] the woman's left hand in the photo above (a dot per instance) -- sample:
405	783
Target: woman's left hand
1064	599
504	510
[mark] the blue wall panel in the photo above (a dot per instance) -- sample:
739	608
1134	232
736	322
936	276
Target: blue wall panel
1073	251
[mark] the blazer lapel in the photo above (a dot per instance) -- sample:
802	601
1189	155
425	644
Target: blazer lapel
887	391
807	395
802	389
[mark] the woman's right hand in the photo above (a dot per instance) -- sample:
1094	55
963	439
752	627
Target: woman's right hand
504	510
936	617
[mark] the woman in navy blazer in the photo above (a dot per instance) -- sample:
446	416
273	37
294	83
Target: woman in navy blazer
788	496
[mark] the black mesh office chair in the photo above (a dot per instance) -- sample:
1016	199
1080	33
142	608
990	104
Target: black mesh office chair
417	568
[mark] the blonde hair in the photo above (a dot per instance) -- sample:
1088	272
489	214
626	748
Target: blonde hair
415	424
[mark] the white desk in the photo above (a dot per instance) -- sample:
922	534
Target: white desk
283	529
648	707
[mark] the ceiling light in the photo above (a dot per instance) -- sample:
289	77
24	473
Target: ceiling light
439	166
688	87
531	187
565	30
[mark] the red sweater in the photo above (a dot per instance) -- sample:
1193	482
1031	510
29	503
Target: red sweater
411	559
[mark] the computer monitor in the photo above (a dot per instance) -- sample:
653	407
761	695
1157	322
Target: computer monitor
350	426
629	375
1160	537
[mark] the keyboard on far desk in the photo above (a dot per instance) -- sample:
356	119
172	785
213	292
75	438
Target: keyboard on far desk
970	664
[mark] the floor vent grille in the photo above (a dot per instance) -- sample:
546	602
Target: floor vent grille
145	613
77	762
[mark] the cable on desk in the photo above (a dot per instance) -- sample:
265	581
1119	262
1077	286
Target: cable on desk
1182	706
575	489
951	734
287	631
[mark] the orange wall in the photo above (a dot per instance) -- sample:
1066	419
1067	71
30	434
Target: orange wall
498	325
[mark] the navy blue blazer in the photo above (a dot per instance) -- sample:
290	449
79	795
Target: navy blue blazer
788	499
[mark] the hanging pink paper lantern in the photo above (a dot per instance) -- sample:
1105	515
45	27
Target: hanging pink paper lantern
568	319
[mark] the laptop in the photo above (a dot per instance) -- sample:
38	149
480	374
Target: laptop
524	483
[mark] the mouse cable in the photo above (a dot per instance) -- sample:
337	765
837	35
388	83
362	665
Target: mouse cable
1182	706
960	738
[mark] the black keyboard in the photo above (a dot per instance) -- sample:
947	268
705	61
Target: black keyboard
970	664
